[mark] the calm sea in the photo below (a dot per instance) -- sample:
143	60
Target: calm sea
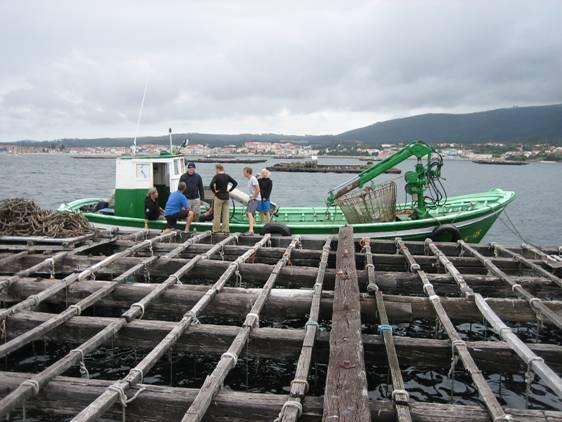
537	212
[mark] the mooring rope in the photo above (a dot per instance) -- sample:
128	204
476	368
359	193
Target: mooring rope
23	217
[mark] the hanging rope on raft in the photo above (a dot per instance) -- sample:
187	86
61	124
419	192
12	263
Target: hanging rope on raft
23	217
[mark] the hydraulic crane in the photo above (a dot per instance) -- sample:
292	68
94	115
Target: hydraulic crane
417	181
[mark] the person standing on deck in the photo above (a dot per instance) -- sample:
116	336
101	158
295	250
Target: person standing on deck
254	193
194	192
266	186
177	208
219	186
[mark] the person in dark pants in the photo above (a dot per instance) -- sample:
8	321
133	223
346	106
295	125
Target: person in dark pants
194	191
219	186
152	210
266	186
177	208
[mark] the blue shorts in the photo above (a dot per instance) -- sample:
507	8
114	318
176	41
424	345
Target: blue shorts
264	206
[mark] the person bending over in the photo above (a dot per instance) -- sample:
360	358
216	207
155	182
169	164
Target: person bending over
177	208
194	192
254	193
220	187
152	210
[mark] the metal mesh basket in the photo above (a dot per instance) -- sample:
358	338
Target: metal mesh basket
368	205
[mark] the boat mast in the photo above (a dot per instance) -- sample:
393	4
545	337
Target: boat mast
139	117
170	132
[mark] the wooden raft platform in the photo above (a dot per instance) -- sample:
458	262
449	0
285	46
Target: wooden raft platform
154	293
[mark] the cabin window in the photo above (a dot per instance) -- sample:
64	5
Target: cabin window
176	167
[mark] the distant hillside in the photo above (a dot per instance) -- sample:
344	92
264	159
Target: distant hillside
510	125
507	125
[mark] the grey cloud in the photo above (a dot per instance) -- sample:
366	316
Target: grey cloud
77	69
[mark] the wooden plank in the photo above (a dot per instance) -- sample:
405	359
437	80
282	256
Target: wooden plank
537	304
34	385
280	344
458	345
90	300
214	382
400	396
345	396
290	411
65	396
283	303
105	401
532	361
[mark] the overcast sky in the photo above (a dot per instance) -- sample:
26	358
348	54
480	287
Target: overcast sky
78	68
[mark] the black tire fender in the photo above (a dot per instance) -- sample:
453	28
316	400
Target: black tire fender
275	229
446	231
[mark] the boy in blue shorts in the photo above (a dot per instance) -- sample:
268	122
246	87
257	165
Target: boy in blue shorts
266	186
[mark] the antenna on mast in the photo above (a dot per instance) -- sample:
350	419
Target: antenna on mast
171	148
140	117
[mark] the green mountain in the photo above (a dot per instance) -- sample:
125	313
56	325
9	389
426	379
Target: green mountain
508	125
540	124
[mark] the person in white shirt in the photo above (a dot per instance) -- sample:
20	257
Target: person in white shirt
254	193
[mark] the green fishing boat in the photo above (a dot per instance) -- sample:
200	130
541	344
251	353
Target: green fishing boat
371	208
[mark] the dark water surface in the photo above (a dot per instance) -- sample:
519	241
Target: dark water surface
537	213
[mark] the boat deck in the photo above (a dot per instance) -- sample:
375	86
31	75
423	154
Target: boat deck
353	304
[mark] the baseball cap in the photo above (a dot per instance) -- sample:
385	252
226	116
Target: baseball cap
190	165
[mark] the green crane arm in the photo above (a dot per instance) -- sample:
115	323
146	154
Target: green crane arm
415	149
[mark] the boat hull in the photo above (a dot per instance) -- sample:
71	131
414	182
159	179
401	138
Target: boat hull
472	215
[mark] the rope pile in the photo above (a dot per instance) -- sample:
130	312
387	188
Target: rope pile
23	217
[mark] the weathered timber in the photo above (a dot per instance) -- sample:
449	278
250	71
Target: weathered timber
32	387
533	362
553	260
214	382
90	300
400	396
12	257
65	396
458	345
528	263
36	299
295	276
299	385
537	304
283	303
117	390
282	344
345	396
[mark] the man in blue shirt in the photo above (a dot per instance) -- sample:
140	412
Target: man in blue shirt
177	208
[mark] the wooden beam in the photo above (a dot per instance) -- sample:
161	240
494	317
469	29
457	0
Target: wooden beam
65	396
281	344
346	397
283	303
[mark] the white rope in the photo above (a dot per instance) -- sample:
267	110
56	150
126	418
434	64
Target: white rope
34	384
515	286
83	369
433	297
34	299
427	286
140	306
77	308
504	417
532	300
415	267
138	371
256	322
302	382
193	316
370	266
290	403
502	329
177	278
404	392
231	356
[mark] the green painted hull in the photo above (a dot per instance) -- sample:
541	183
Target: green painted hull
472	214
